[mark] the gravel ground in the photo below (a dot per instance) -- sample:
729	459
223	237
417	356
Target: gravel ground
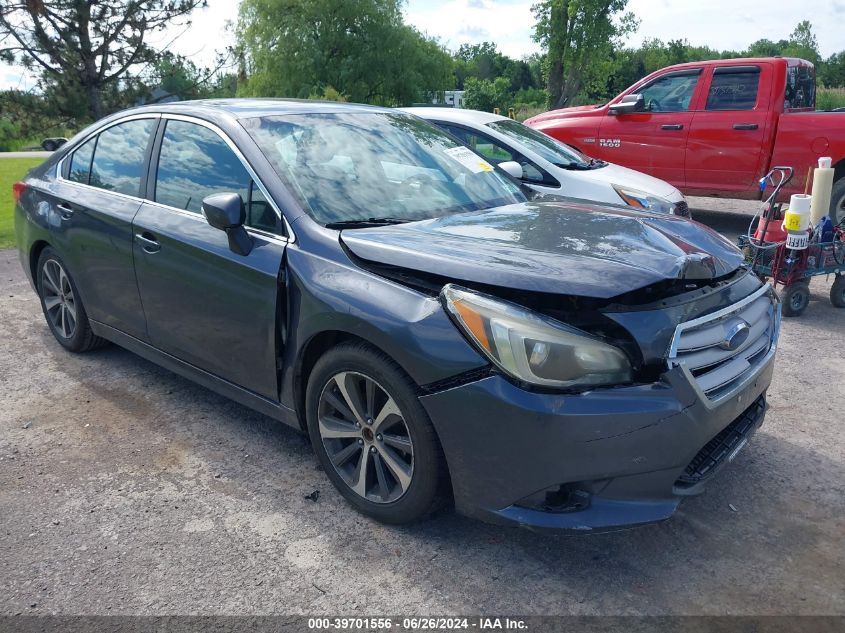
126	489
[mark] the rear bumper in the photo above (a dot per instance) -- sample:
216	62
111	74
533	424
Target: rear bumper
618	453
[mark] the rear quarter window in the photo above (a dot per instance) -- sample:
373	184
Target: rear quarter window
80	162
119	157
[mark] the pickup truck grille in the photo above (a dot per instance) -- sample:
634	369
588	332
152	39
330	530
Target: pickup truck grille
719	350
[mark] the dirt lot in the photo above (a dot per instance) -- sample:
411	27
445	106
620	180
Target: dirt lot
126	489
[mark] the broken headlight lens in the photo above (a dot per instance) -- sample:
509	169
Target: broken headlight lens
532	347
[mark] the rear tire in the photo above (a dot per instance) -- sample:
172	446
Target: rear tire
364	416
837	292
62	305
795	298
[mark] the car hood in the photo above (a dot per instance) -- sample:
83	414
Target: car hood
618	175
554	247
560	113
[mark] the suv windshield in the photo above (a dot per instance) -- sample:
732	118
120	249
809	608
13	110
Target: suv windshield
348	167
545	146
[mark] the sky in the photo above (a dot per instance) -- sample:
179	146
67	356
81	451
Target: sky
720	24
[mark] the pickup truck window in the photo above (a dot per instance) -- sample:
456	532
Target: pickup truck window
670	93
800	88
734	88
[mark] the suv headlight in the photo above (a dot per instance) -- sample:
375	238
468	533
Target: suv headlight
642	200
532	347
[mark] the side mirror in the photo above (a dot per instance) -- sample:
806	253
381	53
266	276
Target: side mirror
225	211
512	168
628	104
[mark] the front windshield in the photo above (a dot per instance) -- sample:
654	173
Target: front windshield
545	146
362	166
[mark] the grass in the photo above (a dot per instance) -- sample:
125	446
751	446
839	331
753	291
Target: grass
11	170
830	98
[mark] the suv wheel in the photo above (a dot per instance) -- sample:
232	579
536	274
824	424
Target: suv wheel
372	435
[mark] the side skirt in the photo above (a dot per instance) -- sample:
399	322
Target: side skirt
225	388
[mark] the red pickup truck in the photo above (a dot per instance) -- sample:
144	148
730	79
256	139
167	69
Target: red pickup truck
713	128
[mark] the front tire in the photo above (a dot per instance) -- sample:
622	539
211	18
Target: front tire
372	436
62	305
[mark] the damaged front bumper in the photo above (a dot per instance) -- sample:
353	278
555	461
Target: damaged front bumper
601	460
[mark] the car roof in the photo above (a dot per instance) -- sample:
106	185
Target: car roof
250	108
456	115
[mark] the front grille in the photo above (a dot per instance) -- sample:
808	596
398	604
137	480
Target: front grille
682	209
721	349
720	447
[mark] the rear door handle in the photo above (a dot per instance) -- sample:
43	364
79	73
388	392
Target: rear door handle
745	126
148	242
672	126
65	210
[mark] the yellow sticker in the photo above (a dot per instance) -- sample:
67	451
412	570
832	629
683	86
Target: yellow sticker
468	159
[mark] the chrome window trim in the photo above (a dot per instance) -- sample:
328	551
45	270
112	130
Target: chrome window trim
200	217
60	166
289	238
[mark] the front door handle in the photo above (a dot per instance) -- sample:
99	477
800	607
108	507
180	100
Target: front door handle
672	126
745	126
148	242
65	210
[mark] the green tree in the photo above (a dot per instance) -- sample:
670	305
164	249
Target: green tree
576	35
766	48
361	48
803	43
83	49
832	74
485	95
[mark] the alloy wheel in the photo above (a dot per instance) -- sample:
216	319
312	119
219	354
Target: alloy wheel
366	437
59	298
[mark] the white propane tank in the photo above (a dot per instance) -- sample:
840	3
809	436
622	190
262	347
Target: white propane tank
796	221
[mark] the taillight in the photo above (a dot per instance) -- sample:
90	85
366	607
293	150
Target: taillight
17	190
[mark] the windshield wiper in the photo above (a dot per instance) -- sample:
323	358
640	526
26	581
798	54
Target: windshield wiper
365	222
575	166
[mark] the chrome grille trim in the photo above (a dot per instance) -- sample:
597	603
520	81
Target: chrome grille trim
718	373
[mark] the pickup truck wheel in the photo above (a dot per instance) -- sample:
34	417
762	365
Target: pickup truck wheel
837	202
837	292
795	298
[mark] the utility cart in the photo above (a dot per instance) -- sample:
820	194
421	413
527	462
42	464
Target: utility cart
791	259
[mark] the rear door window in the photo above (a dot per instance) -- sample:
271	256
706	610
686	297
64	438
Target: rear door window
734	88
119	157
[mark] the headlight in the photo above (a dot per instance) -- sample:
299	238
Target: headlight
641	200
534	348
